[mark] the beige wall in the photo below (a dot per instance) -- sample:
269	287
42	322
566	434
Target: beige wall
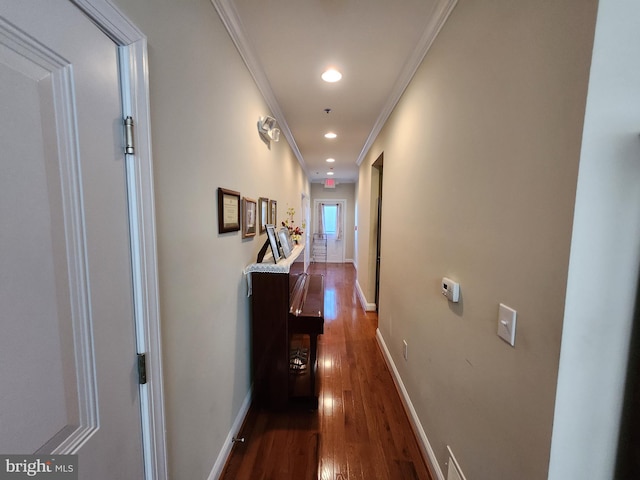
204	109
480	165
343	191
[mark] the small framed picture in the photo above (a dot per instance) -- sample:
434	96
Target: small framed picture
273	212
249	217
228	210
273	241
283	236
263	210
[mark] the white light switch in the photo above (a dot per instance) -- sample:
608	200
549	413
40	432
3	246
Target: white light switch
507	324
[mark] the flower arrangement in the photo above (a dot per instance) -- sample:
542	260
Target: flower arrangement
294	231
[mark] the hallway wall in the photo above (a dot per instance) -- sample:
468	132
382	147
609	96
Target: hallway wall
204	110
481	162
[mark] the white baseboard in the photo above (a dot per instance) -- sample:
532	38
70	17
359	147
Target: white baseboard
218	467
423	442
368	307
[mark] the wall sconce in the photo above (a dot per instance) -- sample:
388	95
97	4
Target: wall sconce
267	129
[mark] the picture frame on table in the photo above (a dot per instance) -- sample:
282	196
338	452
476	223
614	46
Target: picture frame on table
228	210
263	209
249	217
285	241
273	241
289	239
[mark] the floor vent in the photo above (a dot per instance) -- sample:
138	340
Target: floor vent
453	468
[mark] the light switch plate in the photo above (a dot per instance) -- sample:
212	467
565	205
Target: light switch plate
507	324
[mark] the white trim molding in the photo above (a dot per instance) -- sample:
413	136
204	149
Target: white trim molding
441	12
144	254
132	45
223	456
111	20
229	16
423	442
368	307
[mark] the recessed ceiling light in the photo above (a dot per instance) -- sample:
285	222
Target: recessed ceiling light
331	75
330	135
329	173
331	160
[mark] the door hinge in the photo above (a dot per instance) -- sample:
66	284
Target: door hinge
142	368
129	147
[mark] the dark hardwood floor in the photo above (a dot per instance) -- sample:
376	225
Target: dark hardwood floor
360	430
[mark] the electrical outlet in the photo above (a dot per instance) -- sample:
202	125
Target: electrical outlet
405	350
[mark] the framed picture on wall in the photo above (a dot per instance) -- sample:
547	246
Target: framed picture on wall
273	212
263	211
228	210
273	241
249	217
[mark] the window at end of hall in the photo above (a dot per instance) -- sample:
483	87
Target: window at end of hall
330	214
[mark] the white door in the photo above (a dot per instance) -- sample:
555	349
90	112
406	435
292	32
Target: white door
68	381
331	222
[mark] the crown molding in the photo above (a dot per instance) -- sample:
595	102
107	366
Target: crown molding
231	20
441	12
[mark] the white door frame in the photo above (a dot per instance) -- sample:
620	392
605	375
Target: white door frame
135	91
306	218
341	201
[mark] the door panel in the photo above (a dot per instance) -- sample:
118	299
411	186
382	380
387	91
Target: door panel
28	232
335	249
67	368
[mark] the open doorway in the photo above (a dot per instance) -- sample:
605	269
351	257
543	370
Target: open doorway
376	183
330	223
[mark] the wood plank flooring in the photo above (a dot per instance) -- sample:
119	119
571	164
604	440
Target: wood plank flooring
360	430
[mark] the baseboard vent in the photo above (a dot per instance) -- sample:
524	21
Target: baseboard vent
454	472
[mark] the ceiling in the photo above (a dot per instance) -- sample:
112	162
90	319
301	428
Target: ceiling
376	45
